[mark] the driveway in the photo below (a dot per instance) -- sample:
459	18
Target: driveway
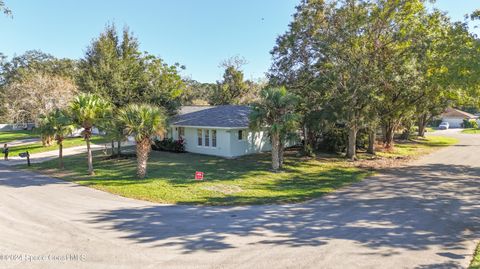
423	216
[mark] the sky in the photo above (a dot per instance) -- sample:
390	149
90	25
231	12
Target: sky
196	33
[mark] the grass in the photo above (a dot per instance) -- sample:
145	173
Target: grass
471	131
9	136
242	181
418	146
475	263
429	129
67	143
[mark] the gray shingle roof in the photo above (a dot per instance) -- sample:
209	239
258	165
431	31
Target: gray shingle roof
230	116
190	109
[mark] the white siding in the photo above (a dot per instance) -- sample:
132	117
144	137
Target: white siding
454	122
228	144
253	142
191	140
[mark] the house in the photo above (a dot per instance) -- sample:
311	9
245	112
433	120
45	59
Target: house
218	130
455	117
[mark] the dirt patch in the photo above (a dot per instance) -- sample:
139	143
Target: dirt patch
382	163
223	188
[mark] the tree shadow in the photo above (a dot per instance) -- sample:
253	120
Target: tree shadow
14	179
413	209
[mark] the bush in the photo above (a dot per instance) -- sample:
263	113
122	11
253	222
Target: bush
168	144
470	124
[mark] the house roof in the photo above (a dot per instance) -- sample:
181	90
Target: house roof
456	113
189	109
226	116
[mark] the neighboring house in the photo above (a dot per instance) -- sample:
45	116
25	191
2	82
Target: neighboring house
455	117
218	130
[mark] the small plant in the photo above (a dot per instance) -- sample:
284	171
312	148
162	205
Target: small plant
169	144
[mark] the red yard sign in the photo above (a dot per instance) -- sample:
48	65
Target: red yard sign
198	175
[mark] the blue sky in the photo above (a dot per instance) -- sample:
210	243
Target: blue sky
196	33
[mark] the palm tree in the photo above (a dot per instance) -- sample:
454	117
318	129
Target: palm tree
275	113
87	110
143	122
58	125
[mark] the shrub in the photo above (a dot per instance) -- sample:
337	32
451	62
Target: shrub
168	144
470	123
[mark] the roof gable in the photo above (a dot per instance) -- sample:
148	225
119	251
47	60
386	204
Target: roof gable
456	113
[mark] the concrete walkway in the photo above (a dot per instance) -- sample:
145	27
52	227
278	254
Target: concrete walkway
426	215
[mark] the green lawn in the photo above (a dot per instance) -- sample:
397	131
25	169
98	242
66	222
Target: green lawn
69	142
475	263
8	136
418	146
471	131
246	180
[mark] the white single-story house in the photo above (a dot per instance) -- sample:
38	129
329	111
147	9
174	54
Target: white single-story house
218	130
455	117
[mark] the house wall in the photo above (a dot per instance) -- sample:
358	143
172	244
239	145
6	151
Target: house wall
453	122
228	144
253	142
191	142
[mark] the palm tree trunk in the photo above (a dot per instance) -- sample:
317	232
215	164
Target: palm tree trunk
275	151
281	147
89	157
143	149
60	154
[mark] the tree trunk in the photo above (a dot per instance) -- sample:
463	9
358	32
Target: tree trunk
422	123
305	138
389	135
275	152
352	143
281	150
60	154
143	149
371	141
119	148
89	157
112	148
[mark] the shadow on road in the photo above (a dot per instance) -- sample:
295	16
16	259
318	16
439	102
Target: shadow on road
413	209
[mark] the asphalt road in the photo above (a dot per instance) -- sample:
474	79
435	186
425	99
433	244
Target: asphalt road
423	216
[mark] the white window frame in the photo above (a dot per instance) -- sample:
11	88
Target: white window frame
216	140
200	138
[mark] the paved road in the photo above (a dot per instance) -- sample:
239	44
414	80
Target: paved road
423	216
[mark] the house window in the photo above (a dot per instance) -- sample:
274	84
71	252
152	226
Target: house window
207	138
240	134
199	135
214	138
181	132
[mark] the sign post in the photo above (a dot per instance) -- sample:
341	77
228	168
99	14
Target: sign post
198	175
25	155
